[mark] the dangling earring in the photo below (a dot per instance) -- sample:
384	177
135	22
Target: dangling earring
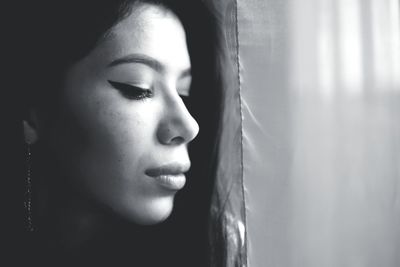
28	192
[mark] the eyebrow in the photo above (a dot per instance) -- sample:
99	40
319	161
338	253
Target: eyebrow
146	60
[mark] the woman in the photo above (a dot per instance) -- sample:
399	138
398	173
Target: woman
115	93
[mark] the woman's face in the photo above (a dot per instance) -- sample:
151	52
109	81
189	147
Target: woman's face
123	133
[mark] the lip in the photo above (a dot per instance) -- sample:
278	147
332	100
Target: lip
170	176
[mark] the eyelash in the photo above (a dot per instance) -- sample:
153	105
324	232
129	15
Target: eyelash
131	92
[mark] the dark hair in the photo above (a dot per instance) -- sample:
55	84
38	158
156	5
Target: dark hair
53	35
60	33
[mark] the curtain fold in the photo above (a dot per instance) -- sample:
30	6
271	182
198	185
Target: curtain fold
309	164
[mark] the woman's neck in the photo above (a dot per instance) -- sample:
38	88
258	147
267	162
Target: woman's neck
70	221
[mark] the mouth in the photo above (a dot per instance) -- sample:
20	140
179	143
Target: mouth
170	176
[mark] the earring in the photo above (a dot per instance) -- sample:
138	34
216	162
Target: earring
28	192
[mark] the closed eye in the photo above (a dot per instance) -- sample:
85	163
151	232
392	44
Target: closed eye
130	91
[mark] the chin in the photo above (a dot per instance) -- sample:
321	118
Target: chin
154	212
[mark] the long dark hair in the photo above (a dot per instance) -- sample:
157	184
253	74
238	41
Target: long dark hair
53	35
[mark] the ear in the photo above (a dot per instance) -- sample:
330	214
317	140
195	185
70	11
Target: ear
30	127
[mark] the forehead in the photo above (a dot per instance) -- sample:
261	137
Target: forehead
151	30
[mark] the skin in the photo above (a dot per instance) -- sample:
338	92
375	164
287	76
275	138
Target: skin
104	139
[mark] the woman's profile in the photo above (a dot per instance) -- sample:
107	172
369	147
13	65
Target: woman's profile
120	113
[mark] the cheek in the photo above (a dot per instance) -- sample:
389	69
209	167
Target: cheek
105	145
121	145
115	136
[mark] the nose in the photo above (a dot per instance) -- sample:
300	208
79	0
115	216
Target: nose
177	126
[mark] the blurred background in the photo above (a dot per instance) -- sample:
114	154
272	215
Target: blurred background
316	97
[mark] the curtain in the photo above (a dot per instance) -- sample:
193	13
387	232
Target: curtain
309	169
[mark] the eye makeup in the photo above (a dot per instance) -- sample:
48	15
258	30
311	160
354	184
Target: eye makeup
130	91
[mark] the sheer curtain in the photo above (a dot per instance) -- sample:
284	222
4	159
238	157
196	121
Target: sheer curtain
318	87
345	171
